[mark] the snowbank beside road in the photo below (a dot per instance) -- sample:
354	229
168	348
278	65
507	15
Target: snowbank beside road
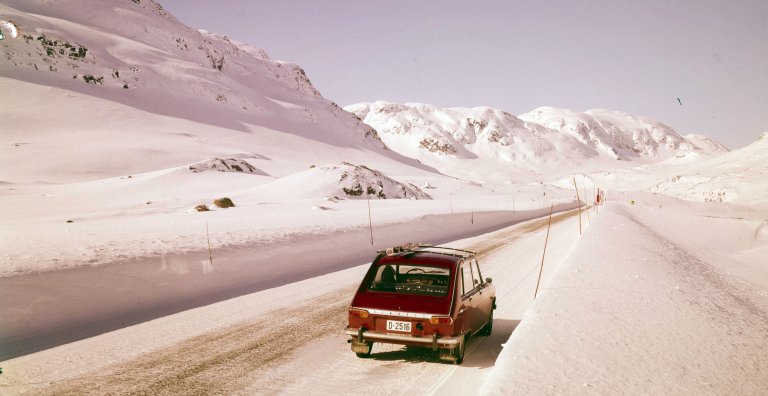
633	310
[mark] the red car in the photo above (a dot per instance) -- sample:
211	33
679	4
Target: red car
422	295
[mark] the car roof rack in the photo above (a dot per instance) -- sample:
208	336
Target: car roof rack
426	247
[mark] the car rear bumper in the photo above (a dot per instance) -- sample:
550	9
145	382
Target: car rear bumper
435	341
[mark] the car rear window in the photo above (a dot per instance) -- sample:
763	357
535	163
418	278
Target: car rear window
411	279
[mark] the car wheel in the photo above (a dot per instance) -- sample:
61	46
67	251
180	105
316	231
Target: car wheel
367	353
460	351
488	328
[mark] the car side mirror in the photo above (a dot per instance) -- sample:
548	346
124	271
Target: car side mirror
488	280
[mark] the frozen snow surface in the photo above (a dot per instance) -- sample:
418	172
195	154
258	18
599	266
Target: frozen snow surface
642	307
120	124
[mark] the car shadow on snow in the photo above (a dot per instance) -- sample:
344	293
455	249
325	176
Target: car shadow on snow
481	352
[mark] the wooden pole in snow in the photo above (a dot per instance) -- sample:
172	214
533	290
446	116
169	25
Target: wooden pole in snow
208	237
370	222
586	201
546	240
579	199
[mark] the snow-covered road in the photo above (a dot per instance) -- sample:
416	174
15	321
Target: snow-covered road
270	349
51	308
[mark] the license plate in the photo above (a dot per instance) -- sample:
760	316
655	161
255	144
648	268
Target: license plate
396	325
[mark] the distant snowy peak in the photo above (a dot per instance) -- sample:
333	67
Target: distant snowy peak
706	144
621	135
417	127
546	133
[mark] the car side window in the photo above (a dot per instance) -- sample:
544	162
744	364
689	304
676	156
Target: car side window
477	278
466	276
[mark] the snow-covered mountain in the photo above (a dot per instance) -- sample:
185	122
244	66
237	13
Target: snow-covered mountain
103	88
544	141
613	134
739	176
110	88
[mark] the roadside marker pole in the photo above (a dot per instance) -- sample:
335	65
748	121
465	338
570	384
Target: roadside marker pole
370	222
586	201
208	237
546	240
579	199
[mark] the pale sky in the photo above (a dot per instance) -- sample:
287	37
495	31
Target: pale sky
633	56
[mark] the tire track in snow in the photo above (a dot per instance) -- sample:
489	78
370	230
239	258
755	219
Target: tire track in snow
220	362
499	239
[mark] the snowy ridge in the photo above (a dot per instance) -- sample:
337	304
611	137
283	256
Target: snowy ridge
739	176
615	134
145	23
536	142
706	144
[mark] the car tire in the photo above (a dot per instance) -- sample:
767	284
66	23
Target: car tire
488	328
365	354
460	351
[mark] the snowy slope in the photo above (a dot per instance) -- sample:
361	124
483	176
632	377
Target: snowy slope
109	88
546	141
706	144
739	176
648	304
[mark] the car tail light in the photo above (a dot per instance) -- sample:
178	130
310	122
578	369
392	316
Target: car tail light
441	320
358	313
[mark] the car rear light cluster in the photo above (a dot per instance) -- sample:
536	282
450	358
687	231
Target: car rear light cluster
358	313
441	320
